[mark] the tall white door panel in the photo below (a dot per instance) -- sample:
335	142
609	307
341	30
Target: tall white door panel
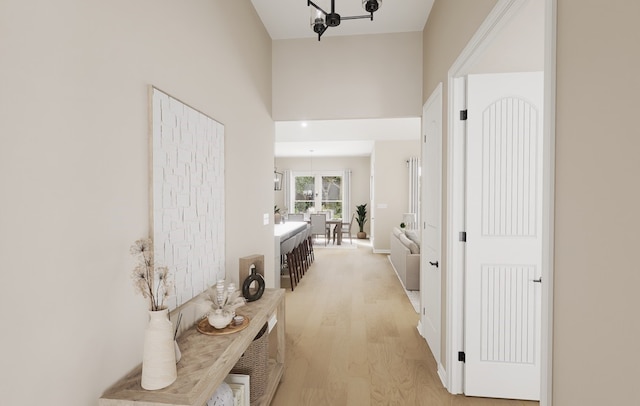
504	230
431	197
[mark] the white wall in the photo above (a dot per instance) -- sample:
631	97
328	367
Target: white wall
74	172
366	76
596	322
360	173
391	188
519	46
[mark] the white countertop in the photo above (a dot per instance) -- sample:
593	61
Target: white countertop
288	229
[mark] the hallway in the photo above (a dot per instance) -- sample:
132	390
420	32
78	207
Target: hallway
352	340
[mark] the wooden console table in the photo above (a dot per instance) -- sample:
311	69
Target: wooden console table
206	361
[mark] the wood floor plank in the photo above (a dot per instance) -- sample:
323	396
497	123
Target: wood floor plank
351	340
358	391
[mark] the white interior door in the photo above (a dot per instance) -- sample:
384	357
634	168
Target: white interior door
504	235
431	197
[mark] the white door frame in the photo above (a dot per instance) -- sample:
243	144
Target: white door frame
499	16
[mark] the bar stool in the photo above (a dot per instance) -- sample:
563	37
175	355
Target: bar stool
286	249
305	250
298	255
310	244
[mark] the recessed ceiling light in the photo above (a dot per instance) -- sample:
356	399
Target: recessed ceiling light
304	124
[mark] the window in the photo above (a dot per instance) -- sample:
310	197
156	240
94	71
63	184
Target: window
304	193
316	192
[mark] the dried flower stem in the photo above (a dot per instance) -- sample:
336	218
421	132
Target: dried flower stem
144	275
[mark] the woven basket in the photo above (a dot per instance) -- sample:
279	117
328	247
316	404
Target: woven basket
254	363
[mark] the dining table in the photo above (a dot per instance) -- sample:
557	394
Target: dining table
337	229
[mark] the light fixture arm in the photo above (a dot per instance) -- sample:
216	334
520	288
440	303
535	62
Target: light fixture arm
358	17
317	7
333	19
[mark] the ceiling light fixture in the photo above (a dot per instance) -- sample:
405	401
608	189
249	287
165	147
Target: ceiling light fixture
320	19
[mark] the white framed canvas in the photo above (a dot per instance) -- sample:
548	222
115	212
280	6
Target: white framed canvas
239	381
187	195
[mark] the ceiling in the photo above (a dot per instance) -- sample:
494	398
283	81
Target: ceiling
341	137
289	19
286	19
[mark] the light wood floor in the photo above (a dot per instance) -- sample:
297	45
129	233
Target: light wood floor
352	340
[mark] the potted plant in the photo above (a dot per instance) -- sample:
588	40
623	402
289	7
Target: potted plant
276	214
361	218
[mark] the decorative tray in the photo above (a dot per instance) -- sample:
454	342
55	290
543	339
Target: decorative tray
204	327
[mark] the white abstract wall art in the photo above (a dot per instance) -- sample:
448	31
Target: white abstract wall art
187	195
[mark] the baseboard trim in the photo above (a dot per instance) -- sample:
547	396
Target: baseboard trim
396	272
375	251
442	373
414	301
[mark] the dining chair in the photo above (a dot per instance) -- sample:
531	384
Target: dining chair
295	217
330	227
319	226
346	228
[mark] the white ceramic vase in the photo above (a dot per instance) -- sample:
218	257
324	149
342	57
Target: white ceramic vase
159	357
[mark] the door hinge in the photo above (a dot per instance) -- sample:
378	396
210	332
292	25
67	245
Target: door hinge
461	356
424	311
463	115
463	236
425	138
